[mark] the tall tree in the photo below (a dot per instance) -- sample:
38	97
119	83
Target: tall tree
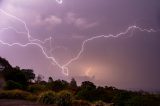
29	74
73	84
50	79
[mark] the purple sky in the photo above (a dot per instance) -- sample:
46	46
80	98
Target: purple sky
130	61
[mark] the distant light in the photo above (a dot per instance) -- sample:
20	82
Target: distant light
88	71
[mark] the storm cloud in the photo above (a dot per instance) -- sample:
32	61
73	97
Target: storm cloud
130	61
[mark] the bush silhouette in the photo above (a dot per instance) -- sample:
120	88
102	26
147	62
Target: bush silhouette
16	78
64	98
80	103
100	103
142	101
36	88
13	85
48	97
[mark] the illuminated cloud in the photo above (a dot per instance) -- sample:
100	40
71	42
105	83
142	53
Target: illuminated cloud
48	22
79	22
59	1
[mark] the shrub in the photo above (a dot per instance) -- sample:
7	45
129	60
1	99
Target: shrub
87	93
36	88
100	103
14	94
32	97
13	85
142	101
80	103
121	98
48	97
64	98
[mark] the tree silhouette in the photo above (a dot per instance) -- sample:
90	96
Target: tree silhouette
59	85
87	91
14	75
73	84
50	80
29	74
4	65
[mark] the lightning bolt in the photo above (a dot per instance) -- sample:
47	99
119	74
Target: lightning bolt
129	29
38	43
32	41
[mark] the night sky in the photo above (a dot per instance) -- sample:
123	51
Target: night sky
131	61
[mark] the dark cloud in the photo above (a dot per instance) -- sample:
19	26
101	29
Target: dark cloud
158	17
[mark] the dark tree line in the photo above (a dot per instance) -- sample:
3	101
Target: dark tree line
25	79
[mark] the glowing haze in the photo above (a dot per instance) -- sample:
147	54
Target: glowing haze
69	40
59	1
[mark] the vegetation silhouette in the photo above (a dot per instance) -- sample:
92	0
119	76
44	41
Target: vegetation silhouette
17	83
